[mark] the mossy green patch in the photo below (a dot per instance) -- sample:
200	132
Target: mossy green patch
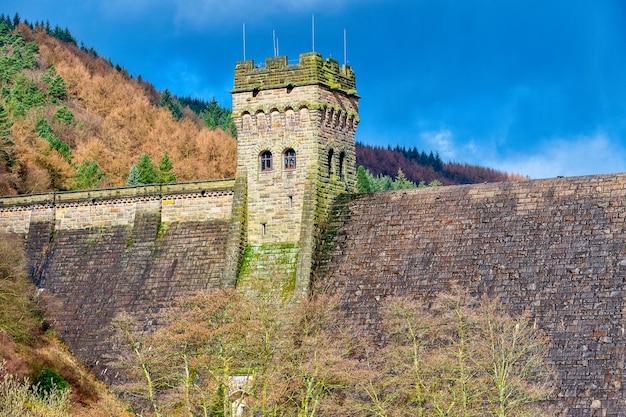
269	268
161	230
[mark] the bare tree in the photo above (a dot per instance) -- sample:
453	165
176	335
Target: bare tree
461	357
225	353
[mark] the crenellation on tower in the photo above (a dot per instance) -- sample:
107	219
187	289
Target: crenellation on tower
295	151
312	69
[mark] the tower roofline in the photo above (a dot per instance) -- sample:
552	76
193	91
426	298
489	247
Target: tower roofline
311	69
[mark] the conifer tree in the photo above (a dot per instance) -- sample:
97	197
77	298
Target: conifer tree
133	177
6	142
165	170
401	183
146	169
63	115
5	32
88	175
56	85
215	116
363	183
167	100
383	183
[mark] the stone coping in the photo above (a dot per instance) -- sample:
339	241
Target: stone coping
154	190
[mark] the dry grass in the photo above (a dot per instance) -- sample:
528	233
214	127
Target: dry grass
25	349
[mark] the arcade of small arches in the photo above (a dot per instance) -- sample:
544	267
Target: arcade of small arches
262	117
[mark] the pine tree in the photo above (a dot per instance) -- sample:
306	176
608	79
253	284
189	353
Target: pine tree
63	115
215	116
165	170
57	89
6	143
401	183
384	183
167	100
88	175
5	32
363	183
146	169
133	177
437	163
45	131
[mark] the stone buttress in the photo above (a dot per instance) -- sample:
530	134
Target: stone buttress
295	150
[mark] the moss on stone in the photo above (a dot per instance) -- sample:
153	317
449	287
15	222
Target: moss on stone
269	268
161	230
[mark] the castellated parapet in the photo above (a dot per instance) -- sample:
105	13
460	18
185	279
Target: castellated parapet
312	69
296	127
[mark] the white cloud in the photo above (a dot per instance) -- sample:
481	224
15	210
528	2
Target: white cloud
442	140
582	155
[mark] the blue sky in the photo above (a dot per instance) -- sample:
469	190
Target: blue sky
536	87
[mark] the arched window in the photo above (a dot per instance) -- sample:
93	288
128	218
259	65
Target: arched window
342	156
330	162
266	161
290	159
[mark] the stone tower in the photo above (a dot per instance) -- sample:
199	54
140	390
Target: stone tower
295	154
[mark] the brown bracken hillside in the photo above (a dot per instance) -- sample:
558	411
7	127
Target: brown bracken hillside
115	120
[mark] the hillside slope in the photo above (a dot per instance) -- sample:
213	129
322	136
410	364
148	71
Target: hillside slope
421	167
29	350
105	116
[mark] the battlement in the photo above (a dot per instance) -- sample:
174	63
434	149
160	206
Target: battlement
312	69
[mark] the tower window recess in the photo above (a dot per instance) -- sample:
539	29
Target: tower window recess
342	156
330	162
266	161
290	159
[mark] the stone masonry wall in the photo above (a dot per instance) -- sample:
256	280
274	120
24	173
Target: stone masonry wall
553	248
310	108
101	253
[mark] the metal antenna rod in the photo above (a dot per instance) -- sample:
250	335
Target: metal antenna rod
313	32
345	61
244	41
274	41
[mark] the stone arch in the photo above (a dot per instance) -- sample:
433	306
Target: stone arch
330	159
274	117
266	163
336	118
246	120
342	163
261	119
289	161
343	121
329	114
303	113
290	117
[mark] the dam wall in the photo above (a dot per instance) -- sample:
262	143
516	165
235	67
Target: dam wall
96	254
554	249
